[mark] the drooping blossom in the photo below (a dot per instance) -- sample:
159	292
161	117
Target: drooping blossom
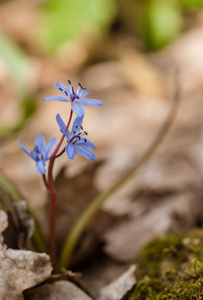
76	139
40	153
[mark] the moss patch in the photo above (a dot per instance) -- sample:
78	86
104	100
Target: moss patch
171	268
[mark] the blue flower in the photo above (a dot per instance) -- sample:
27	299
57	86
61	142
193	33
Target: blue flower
40	153
76	142
76	98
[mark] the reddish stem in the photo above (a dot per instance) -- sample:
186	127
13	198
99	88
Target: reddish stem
45	181
52	192
62	151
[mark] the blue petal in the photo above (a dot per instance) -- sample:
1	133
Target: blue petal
62	126
60	122
48	147
86	152
76	125
90	102
70	151
26	151
87	144
78	109
35	155
40	143
82	93
57	98
41	166
63	89
66	133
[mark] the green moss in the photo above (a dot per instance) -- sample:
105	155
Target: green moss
171	268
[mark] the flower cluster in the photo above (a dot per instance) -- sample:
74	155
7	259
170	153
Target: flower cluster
76	138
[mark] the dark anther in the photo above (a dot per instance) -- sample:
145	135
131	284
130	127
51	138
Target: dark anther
80	85
74	131
36	149
85	140
78	137
76	126
66	93
81	127
60	89
85	132
69	82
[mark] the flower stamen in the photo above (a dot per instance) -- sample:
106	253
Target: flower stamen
80	85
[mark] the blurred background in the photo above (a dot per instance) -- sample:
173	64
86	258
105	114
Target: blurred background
125	52
42	41
122	51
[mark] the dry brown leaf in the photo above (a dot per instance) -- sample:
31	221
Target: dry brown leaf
120	286
98	271
3	223
153	215
20	221
142	75
20	269
59	290
185	54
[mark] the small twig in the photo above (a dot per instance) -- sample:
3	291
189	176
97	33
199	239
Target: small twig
94	207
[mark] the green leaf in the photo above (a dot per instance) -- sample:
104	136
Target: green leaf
161	23
191	4
17	63
65	20
4	181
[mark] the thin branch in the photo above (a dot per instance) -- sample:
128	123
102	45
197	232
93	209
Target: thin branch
96	204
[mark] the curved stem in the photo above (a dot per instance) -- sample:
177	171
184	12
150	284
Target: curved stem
94	207
52	192
45	181
62	151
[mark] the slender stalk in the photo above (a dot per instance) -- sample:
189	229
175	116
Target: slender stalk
52	193
62	151
45	181
52	237
94	207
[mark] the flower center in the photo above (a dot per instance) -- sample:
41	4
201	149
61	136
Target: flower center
78	133
73	96
37	154
74	139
